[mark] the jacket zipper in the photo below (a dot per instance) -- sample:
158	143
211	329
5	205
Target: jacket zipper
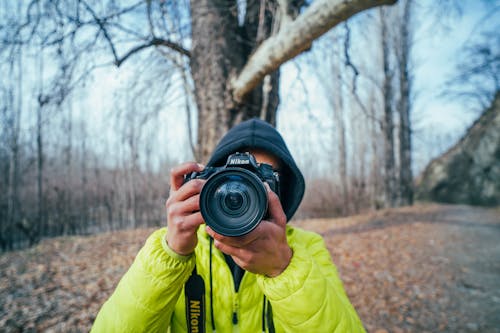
236	304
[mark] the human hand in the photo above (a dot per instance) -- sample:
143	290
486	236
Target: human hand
183	207
264	250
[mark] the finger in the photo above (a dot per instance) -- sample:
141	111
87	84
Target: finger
189	223
227	249
186	207
275	210
194	220
177	173
186	191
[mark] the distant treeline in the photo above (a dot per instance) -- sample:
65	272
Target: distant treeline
77	198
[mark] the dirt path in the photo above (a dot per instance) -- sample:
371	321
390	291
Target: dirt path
420	269
428	268
474	253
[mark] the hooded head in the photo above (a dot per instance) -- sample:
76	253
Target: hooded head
258	134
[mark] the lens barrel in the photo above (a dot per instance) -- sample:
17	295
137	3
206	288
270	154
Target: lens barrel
233	201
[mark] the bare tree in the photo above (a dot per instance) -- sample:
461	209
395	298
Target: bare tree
372	109
403	46
388	122
331	70
477	78
13	111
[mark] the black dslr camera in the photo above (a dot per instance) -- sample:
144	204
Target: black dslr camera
233	201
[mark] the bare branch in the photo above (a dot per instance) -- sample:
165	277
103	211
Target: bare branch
296	37
101	23
153	42
348	62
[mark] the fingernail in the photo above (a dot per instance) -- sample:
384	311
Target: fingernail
268	188
201	166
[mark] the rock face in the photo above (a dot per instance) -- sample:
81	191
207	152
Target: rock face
468	173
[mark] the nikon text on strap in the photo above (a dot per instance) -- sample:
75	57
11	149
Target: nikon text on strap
194	291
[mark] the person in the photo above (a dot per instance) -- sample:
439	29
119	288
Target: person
276	278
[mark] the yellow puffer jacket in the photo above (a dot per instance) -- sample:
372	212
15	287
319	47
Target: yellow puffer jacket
307	297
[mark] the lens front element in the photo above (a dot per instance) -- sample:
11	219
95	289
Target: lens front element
233	197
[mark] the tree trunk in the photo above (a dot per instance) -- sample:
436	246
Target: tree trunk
339	119
220	49
388	123
377	187
132	168
68	216
14	122
405	171
40	169
39	224
84	211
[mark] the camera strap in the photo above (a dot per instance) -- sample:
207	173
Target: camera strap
194	290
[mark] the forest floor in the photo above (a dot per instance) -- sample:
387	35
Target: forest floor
428	268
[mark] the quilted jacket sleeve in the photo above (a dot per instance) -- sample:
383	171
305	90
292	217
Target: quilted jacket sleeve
308	296
146	295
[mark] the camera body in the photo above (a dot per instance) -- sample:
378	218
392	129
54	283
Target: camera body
234	200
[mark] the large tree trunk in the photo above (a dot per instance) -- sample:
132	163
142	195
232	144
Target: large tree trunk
220	49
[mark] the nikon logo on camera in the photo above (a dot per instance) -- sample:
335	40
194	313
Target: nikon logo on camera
239	161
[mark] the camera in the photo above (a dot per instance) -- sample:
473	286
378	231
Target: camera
233	201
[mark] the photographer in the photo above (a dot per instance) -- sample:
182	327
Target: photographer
272	277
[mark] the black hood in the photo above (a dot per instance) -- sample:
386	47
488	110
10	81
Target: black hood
256	133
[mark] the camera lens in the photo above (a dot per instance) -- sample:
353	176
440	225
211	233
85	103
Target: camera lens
233	201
